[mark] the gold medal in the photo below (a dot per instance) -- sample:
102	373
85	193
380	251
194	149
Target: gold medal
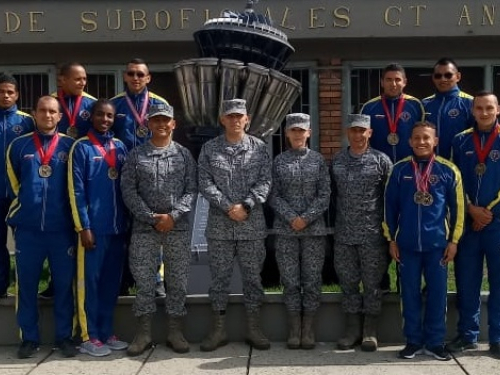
142	131
480	169
113	173
45	171
72	132
393	139
427	199
417	197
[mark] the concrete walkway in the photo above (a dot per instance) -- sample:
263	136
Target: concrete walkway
238	358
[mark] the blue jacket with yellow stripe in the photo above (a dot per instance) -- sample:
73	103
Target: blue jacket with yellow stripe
125	125
83	123
424	228
39	203
482	190
412	112
96	199
13	123
451	112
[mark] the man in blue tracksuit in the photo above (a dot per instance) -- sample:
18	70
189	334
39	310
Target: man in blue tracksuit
75	103
99	215
476	152
13	123
424	215
40	215
450	109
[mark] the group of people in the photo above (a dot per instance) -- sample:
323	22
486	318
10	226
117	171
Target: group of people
84	169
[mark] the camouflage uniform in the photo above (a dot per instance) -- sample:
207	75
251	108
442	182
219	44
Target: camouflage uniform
301	188
360	249
158	180
231	174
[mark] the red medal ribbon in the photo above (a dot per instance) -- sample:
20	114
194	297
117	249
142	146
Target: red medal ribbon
482	153
109	156
393	122
142	117
45	156
422	179
76	108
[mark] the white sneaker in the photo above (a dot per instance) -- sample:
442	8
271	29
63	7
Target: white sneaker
115	344
94	348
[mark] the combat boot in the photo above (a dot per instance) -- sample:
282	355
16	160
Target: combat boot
175	338
352	335
142	340
255	337
308	340
293	341
217	336
370	342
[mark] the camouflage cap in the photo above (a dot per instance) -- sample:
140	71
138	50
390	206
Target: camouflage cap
298	120
358	121
234	106
161	109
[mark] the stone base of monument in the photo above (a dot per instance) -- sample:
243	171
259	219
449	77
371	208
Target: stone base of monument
329	326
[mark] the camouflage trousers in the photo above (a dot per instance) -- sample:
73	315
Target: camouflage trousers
300	261
250	255
357	264
145	250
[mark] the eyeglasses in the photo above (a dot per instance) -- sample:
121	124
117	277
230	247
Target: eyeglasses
445	75
131	73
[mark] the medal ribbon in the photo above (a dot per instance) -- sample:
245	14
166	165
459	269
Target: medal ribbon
109	156
393	122
422	179
138	118
45	156
76	108
483	152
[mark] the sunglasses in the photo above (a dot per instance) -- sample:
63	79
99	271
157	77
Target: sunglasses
445	75
131	73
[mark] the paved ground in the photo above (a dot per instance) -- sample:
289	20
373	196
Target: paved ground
237	358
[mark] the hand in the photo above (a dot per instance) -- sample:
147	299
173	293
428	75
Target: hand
449	253
476	227
394	250
164	223
237	212
87	238
298	224
480	215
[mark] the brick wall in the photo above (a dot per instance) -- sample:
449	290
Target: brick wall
330	107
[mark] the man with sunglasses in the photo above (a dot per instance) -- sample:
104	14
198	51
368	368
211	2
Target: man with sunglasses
450	109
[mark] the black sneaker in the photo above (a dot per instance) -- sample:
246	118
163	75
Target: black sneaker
67	348
458	345
495	350
410	351
27	349
438	352
48	293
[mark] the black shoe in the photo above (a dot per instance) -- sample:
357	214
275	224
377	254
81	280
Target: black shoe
27	349
438	352
4	295
67	348
47	293
458	345
495	350
410	351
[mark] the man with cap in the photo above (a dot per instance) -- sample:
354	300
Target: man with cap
359	173
299	198
159	187
235	178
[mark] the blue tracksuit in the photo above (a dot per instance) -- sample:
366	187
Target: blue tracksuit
422	234
13	123
40	215
83	123
97	204
451	112
125	125
412	112
481	191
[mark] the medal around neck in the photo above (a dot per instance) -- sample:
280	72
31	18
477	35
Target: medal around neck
480	169
45	171
142	131
72	132
112	173
393	139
